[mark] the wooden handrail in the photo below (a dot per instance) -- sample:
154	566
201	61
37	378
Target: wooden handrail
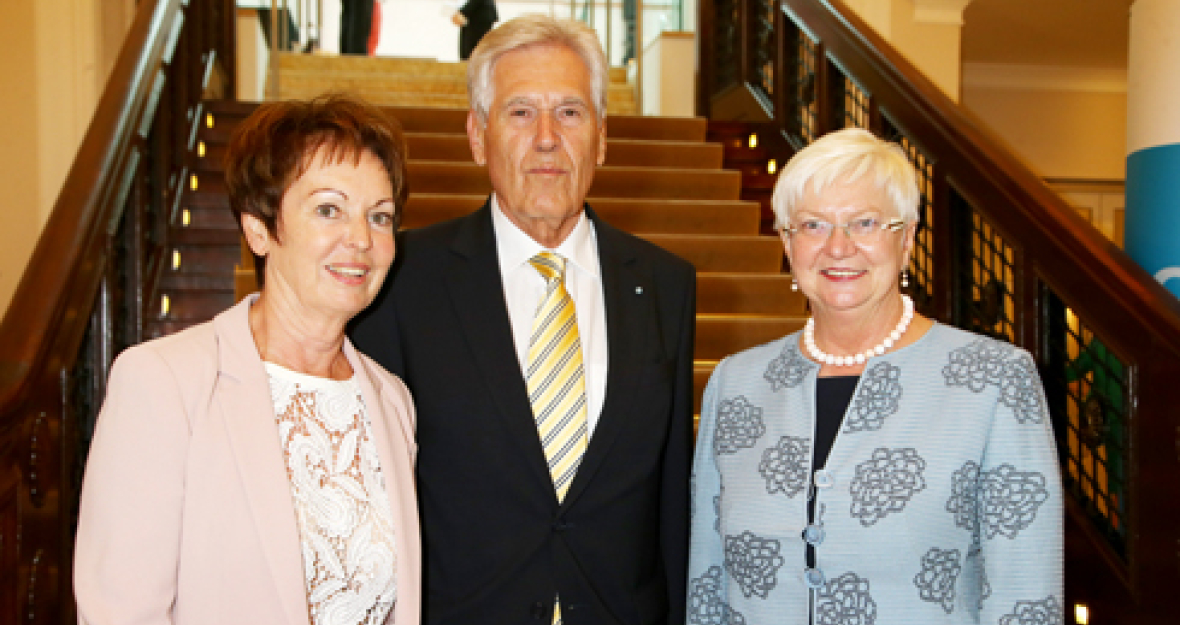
58	277
84	293
1059	288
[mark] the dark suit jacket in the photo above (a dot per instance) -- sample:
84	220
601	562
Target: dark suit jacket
498	546
481	16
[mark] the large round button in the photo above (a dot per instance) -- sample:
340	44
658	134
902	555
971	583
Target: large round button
814	578
823	479
813	534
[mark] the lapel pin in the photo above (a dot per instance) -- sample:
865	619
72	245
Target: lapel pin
639	290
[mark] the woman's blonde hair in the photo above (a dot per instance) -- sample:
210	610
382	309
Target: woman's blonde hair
847	156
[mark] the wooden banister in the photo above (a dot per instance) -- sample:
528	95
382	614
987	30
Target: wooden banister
83	295
1000	253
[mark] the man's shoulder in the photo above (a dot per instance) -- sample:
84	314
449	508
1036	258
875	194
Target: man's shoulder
660	259
423	246
434	235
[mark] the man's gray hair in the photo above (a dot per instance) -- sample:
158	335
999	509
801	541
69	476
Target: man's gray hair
847	156
529	31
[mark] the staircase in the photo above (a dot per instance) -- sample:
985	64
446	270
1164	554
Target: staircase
992	234
661	181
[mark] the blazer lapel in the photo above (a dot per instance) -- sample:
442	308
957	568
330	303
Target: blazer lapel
243	398
478	294
392	433
628	312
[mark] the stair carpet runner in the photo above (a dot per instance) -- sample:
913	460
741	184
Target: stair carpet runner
661	181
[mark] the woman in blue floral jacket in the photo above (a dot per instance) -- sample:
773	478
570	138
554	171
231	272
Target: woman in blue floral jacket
876	467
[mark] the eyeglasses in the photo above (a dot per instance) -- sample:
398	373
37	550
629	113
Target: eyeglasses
863	229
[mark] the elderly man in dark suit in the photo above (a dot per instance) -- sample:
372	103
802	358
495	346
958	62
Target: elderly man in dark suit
550	358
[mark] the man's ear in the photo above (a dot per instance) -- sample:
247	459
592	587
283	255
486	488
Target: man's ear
475	134
257	236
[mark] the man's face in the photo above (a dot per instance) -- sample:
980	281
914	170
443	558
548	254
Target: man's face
542	139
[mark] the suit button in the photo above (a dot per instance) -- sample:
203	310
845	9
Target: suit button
561	525
813	534
814	578
538	611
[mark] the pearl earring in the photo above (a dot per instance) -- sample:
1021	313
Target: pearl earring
905	278
794	284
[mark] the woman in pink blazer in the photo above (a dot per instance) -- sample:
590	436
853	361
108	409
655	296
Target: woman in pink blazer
258	469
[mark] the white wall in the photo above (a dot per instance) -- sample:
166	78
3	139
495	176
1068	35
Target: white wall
928	33
423	28
1065	123
669	75
72	45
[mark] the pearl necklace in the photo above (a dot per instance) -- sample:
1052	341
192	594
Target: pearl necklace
907	316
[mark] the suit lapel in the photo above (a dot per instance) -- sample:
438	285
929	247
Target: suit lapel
477	291
243	399
628	314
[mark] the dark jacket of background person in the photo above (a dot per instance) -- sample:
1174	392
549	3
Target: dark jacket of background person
356	24
481	16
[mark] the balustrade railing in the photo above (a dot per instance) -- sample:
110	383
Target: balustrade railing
997	252
85	293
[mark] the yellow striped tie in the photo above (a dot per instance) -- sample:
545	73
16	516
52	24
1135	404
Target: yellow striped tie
556	381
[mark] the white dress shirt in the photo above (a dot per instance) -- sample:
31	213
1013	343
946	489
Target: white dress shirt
524	287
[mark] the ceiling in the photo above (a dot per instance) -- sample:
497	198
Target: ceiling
1071	33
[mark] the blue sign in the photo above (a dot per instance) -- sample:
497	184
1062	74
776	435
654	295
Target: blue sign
1153	213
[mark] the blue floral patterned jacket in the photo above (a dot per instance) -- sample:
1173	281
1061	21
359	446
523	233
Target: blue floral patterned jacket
940	502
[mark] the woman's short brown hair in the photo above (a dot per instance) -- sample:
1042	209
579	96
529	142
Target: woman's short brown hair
272	147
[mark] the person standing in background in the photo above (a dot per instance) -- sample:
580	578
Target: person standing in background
356	24
474	19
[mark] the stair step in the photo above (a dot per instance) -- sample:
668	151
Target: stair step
327	62
688	184
719	336
192	306
375	65
758	294
619	152
196	236
208	210
453	120
205	259
619	100
657	216
754	254
663	153
373	85
175	281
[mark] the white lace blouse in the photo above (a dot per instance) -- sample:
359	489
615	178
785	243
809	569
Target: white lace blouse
341	504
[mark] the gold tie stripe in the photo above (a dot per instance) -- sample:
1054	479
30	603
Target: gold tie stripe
555	378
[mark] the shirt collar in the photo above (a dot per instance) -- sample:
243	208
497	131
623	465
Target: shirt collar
515	248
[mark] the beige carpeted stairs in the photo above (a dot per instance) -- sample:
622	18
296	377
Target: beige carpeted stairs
661	181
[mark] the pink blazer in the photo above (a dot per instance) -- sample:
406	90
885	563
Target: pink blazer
186	514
